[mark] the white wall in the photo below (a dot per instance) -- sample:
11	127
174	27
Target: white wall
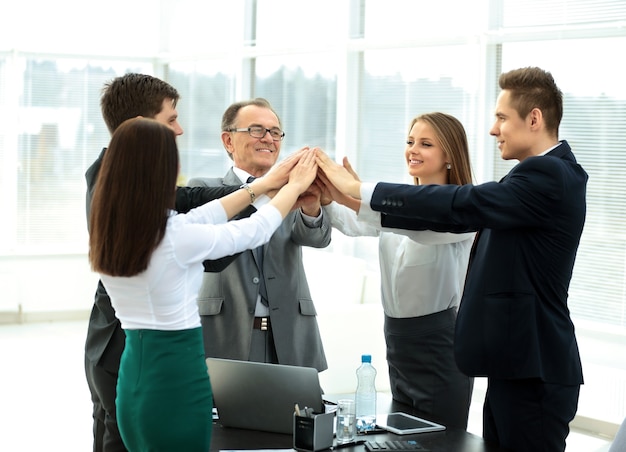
45	288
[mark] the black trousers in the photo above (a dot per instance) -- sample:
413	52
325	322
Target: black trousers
262	348
422	369
529	415
102	386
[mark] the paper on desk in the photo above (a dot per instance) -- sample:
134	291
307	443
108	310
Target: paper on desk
258	450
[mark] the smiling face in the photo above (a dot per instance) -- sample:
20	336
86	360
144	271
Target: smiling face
513	133
424	155
254	155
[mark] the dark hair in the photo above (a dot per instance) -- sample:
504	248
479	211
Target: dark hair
532	87
133	95
136	187
451	135
229	118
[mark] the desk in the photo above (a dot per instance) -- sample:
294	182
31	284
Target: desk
452	440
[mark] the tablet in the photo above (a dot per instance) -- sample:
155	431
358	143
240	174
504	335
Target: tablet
404	424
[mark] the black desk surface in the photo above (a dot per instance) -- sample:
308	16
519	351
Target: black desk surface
450	440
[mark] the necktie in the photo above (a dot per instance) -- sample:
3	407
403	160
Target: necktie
258	252
262	289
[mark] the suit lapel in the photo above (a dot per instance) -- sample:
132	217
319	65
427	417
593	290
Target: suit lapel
231	178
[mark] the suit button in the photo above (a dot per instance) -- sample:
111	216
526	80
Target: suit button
255	280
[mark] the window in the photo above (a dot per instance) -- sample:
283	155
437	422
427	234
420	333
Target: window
206	88
347	76
304	93
58	133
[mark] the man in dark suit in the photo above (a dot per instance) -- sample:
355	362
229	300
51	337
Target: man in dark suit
123	98
260	307
513	324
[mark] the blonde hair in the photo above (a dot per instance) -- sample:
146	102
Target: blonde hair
451	135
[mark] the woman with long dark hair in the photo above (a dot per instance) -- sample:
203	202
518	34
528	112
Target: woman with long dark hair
150	261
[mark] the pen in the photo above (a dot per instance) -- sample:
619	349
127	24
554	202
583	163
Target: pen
297	410
376	429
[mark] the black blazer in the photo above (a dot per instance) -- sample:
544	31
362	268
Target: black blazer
513	321
105	338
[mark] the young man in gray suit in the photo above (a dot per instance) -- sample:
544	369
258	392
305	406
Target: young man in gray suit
513	324
259	308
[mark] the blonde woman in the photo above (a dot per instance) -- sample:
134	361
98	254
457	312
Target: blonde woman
422	277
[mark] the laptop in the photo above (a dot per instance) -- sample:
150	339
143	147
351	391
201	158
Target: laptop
262	396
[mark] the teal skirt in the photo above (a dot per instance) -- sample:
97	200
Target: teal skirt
164	399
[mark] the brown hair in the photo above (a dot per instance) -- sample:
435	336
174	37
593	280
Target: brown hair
135	188
229	118
133	95
532	87
451	134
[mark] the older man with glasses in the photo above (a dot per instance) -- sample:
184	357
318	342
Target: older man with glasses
259	308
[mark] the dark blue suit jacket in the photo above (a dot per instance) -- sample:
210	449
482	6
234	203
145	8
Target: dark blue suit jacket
513	321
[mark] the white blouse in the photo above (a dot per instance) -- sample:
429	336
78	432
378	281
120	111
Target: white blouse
164	296
422	272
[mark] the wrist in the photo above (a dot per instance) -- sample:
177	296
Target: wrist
250	191
356	190
260	186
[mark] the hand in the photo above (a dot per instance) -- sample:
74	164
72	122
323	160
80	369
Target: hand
326	195
344	179
304	172
348	167
310	200
330	193
279	174
301	177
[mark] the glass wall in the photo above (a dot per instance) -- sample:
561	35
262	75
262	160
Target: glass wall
54	133
346	76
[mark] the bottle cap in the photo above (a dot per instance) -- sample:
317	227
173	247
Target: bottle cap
366	358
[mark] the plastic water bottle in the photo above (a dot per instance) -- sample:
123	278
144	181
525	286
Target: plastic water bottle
366	395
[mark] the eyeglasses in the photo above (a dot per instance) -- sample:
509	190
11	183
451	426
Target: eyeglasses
259	132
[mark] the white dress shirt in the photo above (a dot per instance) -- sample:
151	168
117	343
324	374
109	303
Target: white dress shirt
422	272
262	310
164	297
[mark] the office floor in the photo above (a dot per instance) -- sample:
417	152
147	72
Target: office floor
45	402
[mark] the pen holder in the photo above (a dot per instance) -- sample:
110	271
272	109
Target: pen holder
314	433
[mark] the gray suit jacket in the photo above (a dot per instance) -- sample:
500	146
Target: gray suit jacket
227	299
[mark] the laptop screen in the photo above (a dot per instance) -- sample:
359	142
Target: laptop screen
261	396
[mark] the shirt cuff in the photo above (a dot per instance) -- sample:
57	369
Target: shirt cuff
312	222
367	215
367	191
260	201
